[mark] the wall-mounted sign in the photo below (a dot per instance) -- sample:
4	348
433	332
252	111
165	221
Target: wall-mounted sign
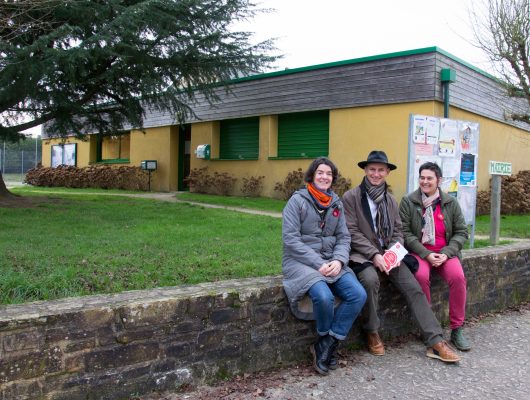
149	165
500	168
203	151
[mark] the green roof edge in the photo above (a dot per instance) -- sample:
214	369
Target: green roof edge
459	60
423	50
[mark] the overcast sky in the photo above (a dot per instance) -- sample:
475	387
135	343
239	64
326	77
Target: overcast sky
312	32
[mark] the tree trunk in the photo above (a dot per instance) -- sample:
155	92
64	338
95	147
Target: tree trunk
4	193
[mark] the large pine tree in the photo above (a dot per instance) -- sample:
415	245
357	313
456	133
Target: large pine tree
95	65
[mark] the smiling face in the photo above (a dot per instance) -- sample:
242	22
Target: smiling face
323	177
429	182
376	173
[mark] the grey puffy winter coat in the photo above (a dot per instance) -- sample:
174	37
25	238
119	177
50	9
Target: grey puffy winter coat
310	240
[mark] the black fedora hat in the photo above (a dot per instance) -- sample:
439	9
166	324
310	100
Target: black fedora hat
377	156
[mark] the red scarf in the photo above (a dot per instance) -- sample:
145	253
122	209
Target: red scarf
322	198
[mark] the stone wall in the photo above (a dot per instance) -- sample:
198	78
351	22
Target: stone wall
118	346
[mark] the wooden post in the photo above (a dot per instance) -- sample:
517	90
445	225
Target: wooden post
495	214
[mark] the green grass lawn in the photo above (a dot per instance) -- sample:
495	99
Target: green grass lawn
91	244
258	203
516	226
485	243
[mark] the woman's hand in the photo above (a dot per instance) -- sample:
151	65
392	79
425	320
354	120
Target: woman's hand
436	259
331	269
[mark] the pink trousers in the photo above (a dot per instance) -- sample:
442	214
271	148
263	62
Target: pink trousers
451	272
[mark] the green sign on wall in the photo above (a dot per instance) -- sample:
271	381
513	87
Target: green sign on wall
500	168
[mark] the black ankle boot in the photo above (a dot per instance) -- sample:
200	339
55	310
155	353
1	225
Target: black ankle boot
333	360
322	351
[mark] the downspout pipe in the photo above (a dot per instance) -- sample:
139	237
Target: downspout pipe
446	99
447	76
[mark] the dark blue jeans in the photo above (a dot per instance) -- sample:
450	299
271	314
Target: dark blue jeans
337	322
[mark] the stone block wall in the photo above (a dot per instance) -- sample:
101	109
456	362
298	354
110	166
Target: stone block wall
118	346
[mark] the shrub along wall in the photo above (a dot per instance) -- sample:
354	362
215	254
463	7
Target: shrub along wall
117	346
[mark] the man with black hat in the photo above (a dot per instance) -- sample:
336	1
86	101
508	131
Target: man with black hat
372	217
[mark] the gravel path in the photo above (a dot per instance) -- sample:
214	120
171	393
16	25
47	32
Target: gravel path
170	197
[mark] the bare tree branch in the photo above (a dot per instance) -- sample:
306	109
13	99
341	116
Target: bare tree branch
502	31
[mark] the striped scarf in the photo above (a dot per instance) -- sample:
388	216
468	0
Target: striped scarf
382	219
428	230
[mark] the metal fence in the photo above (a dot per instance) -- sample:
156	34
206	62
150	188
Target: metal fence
15	163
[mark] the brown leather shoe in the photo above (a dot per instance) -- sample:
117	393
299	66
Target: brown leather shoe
442	351
375	344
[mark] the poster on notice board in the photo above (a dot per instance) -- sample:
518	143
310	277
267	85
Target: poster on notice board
453	145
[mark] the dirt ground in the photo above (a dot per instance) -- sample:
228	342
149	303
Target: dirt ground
16	201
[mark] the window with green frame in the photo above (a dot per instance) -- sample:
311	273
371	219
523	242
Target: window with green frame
239	139
114	148
304	134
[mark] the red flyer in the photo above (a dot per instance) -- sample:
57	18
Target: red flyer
394	255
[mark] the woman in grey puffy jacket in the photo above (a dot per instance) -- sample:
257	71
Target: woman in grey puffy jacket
316	246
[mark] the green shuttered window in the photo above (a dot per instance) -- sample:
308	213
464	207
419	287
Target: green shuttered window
303	134
239	139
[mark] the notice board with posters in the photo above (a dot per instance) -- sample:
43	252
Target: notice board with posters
453	145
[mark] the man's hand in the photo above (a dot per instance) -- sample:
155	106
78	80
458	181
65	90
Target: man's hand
331	269
436	259
379	263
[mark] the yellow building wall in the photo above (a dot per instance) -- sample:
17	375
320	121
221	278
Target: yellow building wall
83	150
353	133
160	144
498	142
273	170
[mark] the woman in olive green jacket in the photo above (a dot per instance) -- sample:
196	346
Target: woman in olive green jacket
435	231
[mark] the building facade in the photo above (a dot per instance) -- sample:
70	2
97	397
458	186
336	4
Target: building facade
271	124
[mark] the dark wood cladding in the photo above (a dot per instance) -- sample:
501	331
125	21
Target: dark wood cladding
402	79
478	93
385	81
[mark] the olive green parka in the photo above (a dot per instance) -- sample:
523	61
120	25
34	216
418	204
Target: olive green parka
411	213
